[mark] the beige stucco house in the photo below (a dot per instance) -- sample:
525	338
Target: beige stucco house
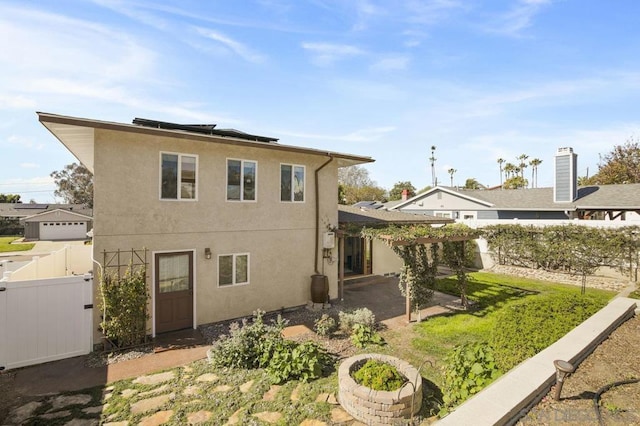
231	222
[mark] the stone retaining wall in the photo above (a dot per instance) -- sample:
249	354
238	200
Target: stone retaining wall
379	407
593	281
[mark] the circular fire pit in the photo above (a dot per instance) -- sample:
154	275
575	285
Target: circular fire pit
379	407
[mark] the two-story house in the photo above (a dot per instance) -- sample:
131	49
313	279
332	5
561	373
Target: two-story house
232	222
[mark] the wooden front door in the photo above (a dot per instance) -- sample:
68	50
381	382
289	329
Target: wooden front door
173	291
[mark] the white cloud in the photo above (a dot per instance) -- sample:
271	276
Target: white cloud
326	53
393	63
135	12
24	142
517	19
230	44
16	101
29	165
360	135
430	12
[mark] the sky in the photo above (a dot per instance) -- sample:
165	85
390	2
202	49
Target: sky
477	79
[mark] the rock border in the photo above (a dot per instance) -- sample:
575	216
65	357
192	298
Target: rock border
379	407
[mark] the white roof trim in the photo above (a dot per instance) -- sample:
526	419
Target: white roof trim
423	195
84	216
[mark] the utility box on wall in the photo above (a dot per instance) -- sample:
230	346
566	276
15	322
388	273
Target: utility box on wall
329	240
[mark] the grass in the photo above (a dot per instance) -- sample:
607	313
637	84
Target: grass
6	246
434	338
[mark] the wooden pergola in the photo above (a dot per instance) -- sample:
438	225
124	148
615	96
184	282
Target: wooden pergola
423	240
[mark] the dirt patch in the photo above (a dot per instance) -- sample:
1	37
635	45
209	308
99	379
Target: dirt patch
616	359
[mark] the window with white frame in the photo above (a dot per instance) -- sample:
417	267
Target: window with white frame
178	176
233	269
241	180
291	182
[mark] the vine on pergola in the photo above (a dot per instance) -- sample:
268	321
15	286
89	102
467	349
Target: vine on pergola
418	247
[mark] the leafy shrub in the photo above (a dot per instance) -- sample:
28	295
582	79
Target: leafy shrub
290	360
245	344
325	325
259	345
363	335
362	316
468	369
378	375
527	327
124	306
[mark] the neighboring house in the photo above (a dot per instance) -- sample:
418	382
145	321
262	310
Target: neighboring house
57	225
69	222
232	222
563	201
363	256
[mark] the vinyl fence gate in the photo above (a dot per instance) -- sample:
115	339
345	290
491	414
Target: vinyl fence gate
45	320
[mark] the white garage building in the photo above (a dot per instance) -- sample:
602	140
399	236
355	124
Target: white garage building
57	224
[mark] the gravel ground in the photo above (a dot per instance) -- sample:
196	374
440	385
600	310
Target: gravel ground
616	359
339	344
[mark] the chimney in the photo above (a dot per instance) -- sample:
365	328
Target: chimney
405	194
565	185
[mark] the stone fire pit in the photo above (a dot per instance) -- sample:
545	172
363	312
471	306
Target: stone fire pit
379	407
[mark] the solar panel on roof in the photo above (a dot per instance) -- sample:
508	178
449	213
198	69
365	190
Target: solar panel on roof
22	206
206	129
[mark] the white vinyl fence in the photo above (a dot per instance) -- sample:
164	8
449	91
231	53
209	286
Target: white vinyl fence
45	320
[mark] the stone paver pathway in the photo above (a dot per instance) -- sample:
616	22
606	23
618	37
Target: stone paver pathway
157	399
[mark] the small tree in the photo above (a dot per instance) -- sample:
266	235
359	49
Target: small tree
124	307
621	165
75	184
396	192
10	198
471	183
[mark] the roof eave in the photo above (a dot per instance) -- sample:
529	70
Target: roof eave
77	135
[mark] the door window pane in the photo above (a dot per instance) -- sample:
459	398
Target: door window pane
173	271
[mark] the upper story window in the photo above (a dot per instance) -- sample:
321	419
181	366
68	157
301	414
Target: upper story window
178	176
241	180
291	182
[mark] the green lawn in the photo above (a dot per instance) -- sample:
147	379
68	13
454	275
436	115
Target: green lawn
6	246
433	339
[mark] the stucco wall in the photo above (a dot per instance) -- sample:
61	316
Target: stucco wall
279	237
385	261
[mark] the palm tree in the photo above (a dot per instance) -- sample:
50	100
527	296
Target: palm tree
433	162
500	162
509	168
534	171
451	173
522	164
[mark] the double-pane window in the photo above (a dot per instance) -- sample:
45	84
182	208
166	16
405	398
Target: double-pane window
178	176
291	183
233	269
241	180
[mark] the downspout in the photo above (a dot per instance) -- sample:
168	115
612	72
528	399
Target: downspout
315	261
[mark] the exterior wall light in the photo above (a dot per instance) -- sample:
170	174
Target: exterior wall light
207	253
563	369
